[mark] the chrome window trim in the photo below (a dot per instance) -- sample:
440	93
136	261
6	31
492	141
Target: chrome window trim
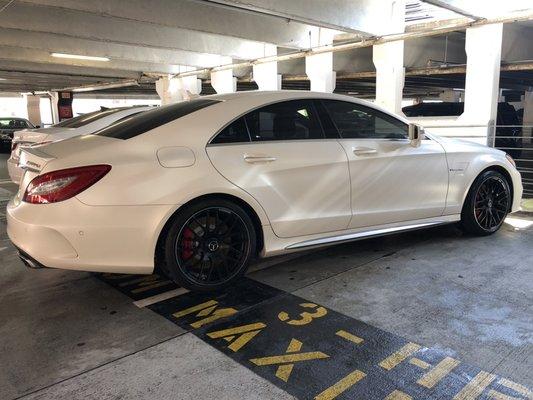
311	99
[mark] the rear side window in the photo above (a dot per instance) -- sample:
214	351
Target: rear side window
288	120
236	132
355	121
148	120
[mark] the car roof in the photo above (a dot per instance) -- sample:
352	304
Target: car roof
281	95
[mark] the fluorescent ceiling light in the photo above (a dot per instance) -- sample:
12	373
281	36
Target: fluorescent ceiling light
79	57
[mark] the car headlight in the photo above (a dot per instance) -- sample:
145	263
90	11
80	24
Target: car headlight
510	159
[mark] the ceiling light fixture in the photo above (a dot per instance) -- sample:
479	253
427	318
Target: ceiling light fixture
79	57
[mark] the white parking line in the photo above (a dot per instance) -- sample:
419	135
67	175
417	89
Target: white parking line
3	248
160	297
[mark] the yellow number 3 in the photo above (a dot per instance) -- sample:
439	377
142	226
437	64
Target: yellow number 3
307	317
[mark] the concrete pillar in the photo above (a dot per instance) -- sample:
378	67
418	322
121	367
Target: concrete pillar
33	104
224	81
172	90
483	50
528	116
388	60
54	99
319	67
266	75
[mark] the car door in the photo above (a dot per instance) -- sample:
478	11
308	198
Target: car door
392	181
280	155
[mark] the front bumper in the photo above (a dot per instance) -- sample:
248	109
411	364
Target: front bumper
73	235
518	190
15	172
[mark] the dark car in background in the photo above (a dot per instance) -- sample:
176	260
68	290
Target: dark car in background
508	130
7	127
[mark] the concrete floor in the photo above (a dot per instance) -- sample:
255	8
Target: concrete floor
68	335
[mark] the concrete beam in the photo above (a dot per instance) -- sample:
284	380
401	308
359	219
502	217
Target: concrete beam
11	53
358	16
188	15
482	9
72	70
448	5
51	42
75	26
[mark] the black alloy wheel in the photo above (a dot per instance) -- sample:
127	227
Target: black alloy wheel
208	248
487	204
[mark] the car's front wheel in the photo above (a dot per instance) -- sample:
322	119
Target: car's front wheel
209	245
487	204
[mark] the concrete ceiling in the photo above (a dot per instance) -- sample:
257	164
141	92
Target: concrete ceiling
142	37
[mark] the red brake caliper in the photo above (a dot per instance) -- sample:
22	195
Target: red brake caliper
187	248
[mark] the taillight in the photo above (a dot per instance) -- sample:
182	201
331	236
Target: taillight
55	186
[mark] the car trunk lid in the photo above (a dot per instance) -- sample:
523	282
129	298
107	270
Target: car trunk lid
32	161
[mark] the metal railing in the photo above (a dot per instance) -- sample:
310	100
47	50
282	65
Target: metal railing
519	146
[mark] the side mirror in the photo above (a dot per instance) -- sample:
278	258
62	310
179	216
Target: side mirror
416	134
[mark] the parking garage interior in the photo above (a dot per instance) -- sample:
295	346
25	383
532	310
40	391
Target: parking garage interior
424	314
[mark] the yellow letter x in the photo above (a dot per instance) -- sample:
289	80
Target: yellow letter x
287	360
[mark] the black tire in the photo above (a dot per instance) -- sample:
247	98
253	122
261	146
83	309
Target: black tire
208	245
486	205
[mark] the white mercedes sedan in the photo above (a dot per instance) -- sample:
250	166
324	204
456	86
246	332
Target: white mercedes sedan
81	125
195	190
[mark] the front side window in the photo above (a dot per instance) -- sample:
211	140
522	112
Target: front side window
288	120
355	121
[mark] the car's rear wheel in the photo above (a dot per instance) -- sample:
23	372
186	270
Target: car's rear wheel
486	204
209	245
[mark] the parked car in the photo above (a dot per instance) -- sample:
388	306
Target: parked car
80	125
8	126
508	130
197	189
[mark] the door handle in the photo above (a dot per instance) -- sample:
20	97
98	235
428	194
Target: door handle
358	151
258	159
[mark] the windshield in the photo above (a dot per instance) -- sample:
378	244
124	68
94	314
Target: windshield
14	123
85	119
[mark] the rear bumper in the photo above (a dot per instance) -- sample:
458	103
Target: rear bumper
29	261
72	235
15	172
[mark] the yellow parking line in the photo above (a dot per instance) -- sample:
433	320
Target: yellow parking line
142	279
524	391
148	301
289	358
341	386
396	358
350	337
475	387
197	307
284	371
419	363
439	371
398	395
149	287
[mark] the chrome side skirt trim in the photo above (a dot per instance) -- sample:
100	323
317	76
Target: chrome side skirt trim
364	235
